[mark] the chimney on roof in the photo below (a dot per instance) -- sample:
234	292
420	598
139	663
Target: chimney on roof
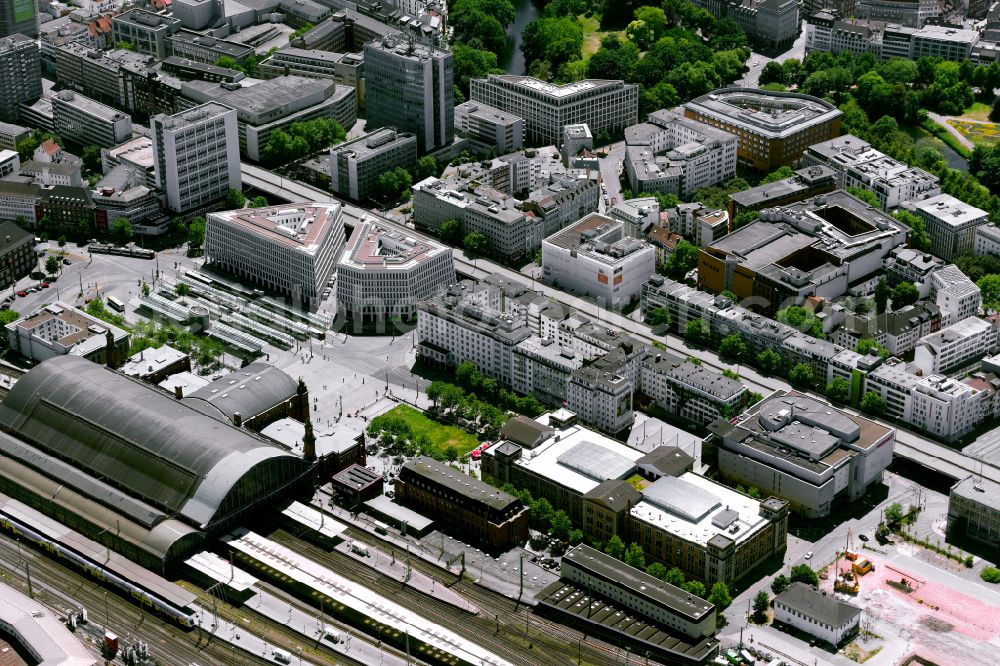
178	391
237	419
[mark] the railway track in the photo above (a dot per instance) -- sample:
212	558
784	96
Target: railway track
550	643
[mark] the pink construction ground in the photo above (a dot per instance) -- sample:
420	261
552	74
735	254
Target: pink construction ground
944	625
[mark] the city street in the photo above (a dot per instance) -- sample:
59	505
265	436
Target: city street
797	50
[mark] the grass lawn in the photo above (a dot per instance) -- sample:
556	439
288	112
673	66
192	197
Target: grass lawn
439	434
981	134
592	34
978	111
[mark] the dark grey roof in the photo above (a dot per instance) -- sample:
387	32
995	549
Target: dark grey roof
524	431
668	460
614	494
445	476
817	605
137	438
248	392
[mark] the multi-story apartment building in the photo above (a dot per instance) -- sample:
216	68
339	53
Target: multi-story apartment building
702	225
947	408
462	504
19	17
290	249
951	224
383	273
805	184
691	391
197	156
955	294
20	72
974	510
498	129
89	122
605	106
97	74
857	164
267	106
595	258
17	201
955	346
804	451
410	86
602	397
672	154
907	13
772	22
355	166
773	128
145	31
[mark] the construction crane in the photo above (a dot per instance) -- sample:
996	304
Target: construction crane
846	581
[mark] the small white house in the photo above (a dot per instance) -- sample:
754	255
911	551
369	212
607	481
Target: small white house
816	613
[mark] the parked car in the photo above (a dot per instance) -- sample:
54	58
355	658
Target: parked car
809	555
22	294
863	537
66	262
45	285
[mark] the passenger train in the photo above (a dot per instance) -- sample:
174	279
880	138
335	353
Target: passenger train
182	616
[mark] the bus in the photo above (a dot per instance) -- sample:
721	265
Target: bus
116	304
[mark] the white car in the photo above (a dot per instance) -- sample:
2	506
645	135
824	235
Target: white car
809	555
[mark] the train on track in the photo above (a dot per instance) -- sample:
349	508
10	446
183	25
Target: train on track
184	616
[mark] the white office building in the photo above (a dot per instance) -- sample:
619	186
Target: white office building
89	122
595	257
951	224
383	272
290	249
956	346
197	156
491	126
986	241
948	408
955	294
605	106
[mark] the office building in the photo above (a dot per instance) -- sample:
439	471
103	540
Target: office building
710	532
857	164
773	128
808	248
290	249
20	71
955	294
469	507
383	273
951	224
68	209
490	126
944	41
17	253
595	258
17	201
986	241
145	31
198	14
59	329
671	154
955	346
204	48
197	156
410	86
774	23
19	17
98	74
974	510
639	592
89	122
10	163
123	193
948	409
804	451
691	392
805	184
907	13
267	106
575	140
605	106
346	69
155	364
11	135
355	166
817	613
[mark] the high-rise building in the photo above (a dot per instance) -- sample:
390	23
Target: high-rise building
197	155
410	86
20	73
18	16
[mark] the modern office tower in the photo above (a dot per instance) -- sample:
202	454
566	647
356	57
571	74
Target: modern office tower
606	106
497	129
89	122
146	31
356	165
410	86
20	74
197	155
18	17
951	224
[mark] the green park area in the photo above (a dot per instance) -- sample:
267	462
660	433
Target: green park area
979	133
440	436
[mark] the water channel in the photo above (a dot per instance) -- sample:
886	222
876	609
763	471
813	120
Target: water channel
512	60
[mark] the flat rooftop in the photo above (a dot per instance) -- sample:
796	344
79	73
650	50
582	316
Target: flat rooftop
89	106
152	359
978	489
772	113
298	227
949	210
288	432
199	114
554	91
38	629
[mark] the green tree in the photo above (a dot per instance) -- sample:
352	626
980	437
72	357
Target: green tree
761	602
893	514
697	332
801	319
674	576
838	390
770	361
540	514
52	265
654	18
451	453
904	294
781	583
575	537
125	45
196	233
658	317
615	548
882	293
470	63
61	241
778	174
990	575
872	403
695	587
234	199
182	289
773	72
258	202
682	260
475	244
452	232
866	196
122	230
634	557
561	525
639	34
426	167
745	218
803	573
919	238
801	375
867	345
553	40
145	288
91	156
719	596
657	570
732	348
989	285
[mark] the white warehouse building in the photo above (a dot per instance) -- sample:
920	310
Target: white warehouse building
289	249
595	257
